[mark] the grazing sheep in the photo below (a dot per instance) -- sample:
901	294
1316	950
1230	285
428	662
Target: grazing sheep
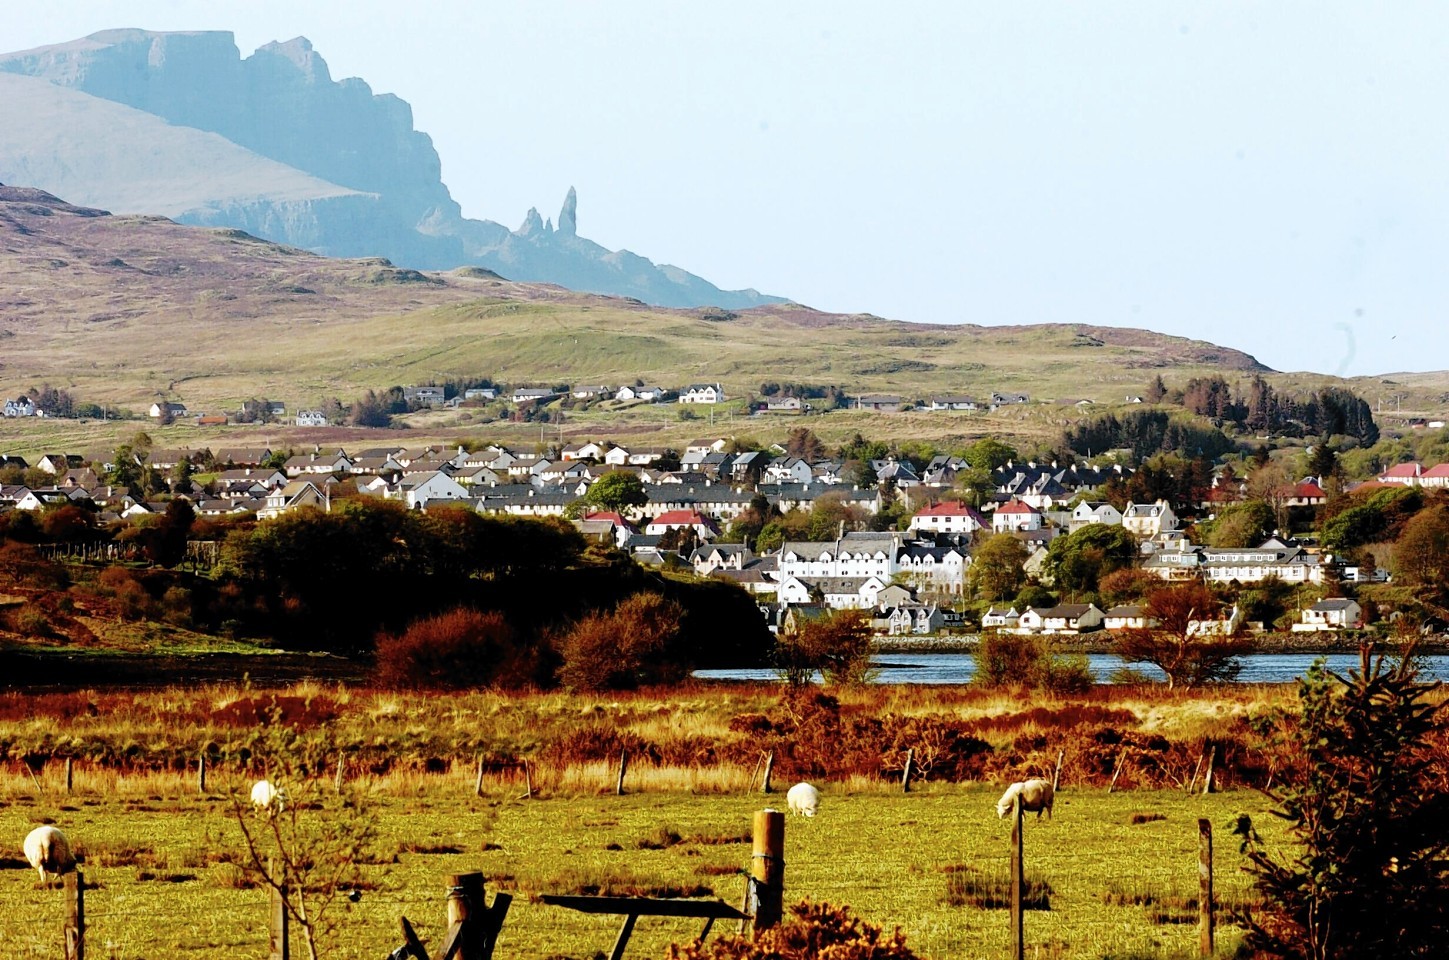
1035	795
48	851
803	799
267	798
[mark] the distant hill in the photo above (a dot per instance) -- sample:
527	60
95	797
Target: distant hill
123	309
271	144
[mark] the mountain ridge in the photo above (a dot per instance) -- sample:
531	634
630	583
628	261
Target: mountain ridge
376	181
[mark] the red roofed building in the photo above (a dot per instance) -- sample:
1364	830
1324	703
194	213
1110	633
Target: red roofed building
1015	515
617	519
1406	474
703	526
948	516
1436	476
1306	494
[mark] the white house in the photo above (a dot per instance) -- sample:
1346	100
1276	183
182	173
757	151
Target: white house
1066	618
1127	617
650	394
1094	511
702	526
298	493
702	393
1335	614
788	470
948	516
311	418
1250	565
419	489
166	409
481	393
1015	515
532	394
953	401
1147	520
835	593
424	396
23	407
997	619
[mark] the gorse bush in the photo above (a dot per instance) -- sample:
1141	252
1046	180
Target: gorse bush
459	650
809	931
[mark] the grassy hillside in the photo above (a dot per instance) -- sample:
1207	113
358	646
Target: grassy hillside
128	310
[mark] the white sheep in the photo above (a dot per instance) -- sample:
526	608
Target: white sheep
1035	795
803	799
48	851
266	798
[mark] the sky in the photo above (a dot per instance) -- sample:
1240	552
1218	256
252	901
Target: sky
1268	176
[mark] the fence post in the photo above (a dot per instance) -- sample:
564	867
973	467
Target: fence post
1207	778
527	782
623	765
906	773
769	769
201	773
465	909
341	774
478	781
1121	765
767	869
1057	774
1018	882
70	774
279	943
1205	887
75	916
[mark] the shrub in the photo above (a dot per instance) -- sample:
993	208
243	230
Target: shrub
1004	659
625	648
458	650
808	931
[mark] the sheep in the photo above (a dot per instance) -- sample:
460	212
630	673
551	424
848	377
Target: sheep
48	851
266	798
1035	795
803	799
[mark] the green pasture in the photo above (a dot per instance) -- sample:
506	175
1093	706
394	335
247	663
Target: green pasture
160	890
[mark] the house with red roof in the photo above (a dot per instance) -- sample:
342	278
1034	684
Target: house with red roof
1306	494
948	516
1406	474
1015	515
703	526
1436	476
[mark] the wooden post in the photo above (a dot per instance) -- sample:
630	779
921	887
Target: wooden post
1205	887
478	780
1192	784
769	769
527	782
201	773
70	774
341	774
623	766
75	916
1057	774
767	868
1121	764
1018	884
1207	778
466	912
906	773
280	946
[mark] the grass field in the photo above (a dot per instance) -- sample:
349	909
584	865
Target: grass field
152	847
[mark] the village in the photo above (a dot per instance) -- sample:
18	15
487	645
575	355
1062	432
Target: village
901	539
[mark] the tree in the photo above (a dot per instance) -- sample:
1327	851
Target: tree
619	491
1177	645
836	643
1273	484
1079	560
624	648
1244	524
1421	559
1156	390
311	846
803	443
988	454
1364	799
996	567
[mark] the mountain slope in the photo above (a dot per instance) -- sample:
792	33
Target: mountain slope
282	103
126	309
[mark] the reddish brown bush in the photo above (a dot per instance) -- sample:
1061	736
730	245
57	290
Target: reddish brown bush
626	648
808	932
458	650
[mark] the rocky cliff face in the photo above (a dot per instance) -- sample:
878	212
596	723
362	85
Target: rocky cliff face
282	104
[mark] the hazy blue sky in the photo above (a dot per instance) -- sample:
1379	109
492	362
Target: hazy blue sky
1270	176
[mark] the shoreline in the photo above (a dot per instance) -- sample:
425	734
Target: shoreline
1098	642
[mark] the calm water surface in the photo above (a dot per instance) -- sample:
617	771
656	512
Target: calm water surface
960	667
